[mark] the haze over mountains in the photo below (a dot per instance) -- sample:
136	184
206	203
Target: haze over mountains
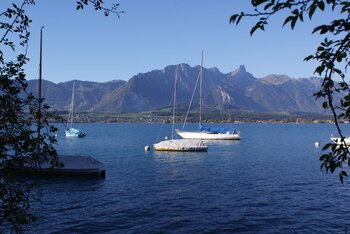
147	91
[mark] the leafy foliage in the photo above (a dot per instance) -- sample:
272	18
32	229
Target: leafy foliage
98	5
24	141
332	56
19	143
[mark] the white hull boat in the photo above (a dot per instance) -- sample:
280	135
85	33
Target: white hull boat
181	145
339	141
208	135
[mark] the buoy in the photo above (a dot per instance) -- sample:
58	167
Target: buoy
317	144
166	138
147	148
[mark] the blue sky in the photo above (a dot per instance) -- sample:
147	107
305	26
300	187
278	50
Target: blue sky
85	45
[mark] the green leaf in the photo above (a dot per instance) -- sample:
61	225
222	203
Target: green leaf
323	156
308	58
341	176
267	6
312	10
321	5
292	25
254	29
334	147
301	16
236	18
326	146
325	105
239	18
322	165
233	18
319	70
256	3
289	18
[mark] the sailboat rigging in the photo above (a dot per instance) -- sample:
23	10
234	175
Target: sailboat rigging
70	131
179	144
208	133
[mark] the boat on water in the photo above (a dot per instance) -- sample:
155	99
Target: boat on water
340	141
70	131
208	133
70	165
180	145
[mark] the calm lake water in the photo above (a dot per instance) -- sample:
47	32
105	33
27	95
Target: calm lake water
268	182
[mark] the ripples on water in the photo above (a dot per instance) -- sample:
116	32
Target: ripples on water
269	182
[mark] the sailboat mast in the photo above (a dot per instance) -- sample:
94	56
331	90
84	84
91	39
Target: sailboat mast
40	80
72	107
200	93
174	105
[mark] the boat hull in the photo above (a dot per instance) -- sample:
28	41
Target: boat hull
339	141
208	135
72	132
181	145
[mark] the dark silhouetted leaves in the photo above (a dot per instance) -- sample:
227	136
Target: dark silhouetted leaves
332	56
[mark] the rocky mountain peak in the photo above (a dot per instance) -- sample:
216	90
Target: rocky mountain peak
214	69
276	79
240	70
183	66
153	89
240	77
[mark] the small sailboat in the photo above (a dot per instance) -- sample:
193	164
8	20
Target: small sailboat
70	131
208	133
179	144
73	165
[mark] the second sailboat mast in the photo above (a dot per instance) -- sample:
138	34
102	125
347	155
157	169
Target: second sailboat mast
200	93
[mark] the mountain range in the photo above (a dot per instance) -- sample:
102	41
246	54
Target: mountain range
238	90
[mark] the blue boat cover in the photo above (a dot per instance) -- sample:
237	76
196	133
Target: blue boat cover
217	130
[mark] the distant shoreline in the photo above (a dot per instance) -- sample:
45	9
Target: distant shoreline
239	117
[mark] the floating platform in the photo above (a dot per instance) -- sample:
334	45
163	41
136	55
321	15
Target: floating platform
73	166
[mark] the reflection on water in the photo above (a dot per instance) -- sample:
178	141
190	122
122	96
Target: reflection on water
174	156
221	142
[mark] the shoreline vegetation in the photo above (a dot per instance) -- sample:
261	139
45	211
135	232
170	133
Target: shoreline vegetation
209	117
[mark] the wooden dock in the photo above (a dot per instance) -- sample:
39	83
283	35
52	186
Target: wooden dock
73	166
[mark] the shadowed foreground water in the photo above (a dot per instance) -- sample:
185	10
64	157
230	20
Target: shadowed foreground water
269	182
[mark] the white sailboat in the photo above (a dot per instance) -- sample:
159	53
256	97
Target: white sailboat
70	131
179	144
208	133
340	141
